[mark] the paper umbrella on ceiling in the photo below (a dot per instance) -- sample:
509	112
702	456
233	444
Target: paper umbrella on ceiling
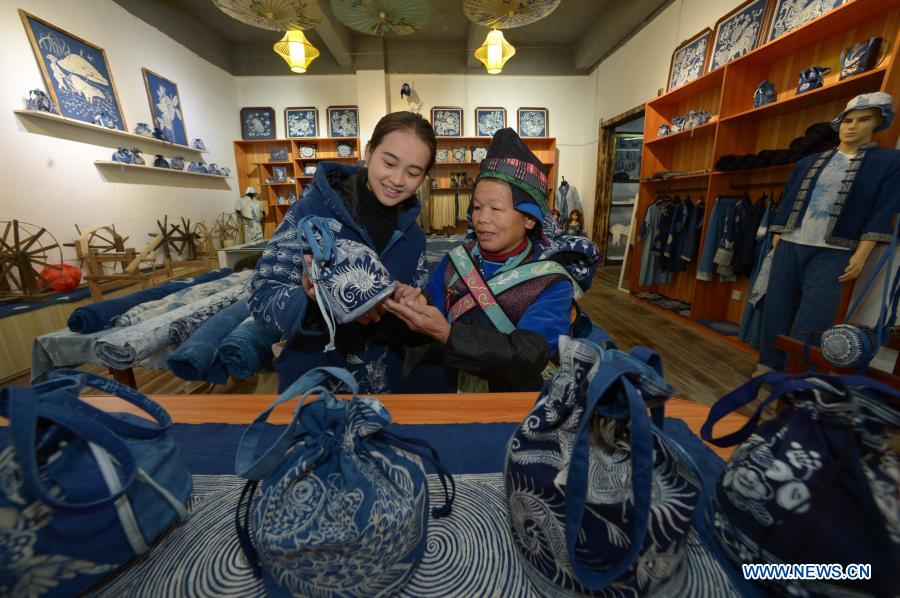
382	17
507	14
278	15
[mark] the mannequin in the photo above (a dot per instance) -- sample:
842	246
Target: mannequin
568	200
250	213
836	206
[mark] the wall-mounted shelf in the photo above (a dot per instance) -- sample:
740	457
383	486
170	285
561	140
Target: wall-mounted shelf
704	129
133	137
154	169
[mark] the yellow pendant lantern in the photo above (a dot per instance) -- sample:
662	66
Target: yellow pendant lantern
495	52
296	50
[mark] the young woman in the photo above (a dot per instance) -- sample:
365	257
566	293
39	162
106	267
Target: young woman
575	224
377	206
497	304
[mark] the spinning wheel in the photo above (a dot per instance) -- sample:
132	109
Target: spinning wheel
228	231
101	241
202	239
25	250
175	237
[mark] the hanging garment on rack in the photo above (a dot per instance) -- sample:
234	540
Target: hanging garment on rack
679	228
717	222
737	220
442	211
751	320
651	273
692	231
745	247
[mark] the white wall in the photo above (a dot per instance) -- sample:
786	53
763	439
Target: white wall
53	182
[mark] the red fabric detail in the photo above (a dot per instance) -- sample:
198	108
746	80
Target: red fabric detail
499	258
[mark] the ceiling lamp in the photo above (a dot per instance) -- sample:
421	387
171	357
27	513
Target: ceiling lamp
494	52
296	50
507	14
278	15
383	17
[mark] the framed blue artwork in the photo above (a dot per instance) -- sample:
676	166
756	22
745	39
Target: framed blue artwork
165	106
447	121
689	60
489	120
737	33
790	14
257	123
301	123
76	74
533	122
343	121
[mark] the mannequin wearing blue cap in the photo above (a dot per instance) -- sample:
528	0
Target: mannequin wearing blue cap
836	206
491	334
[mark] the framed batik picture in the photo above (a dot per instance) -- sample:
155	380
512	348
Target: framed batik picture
790	14
489	120
343	121
533	122
737	33
689	60
76	73
447	121
165	106
301	123
257	123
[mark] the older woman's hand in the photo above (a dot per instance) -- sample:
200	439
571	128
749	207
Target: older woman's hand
408	295
420	317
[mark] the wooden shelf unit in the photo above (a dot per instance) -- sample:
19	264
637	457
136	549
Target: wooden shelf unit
737	128
543	147
255	166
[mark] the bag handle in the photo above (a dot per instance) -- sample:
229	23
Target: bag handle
246	464
24	409
322	250
64	387
427	452
641	471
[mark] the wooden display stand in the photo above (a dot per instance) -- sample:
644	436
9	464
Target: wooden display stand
254	167
543	147
738	128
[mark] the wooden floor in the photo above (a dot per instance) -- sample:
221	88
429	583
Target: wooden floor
700	366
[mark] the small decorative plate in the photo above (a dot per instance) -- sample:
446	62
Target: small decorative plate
309	169
459	154
344	150
307	151
442	156
479	154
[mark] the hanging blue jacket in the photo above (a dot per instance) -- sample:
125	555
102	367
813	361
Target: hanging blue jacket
373	353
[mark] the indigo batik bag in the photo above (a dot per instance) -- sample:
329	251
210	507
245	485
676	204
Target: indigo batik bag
82	491
818	483
337	506
348	278
601	501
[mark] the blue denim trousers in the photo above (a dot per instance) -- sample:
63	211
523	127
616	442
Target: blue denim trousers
802	297
706	270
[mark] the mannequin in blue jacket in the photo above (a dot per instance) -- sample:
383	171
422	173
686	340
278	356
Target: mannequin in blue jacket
836	206
378	207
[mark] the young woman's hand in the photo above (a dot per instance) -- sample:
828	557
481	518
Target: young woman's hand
408	295
373	315
307	283
420	317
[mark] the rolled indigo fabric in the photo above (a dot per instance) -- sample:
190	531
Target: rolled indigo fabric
125	347
243	350
100	315
196	358
151	309
181	329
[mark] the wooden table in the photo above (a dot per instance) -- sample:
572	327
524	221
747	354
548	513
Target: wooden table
405	409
